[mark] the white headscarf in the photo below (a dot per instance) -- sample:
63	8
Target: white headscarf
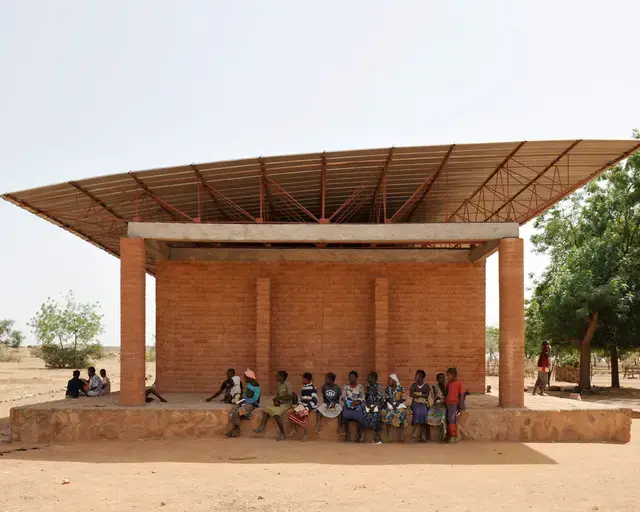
395	378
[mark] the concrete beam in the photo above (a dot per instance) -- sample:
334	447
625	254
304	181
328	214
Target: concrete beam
325	233
323	255
159	250
482	252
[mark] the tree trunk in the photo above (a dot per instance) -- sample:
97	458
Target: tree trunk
585	353
615	375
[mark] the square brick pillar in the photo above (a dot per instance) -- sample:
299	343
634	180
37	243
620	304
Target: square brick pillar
381	351
511	274
263	332
132	321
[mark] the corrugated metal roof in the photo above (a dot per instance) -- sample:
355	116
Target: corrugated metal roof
494	182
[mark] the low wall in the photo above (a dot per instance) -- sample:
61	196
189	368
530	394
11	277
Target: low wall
567	373
43	425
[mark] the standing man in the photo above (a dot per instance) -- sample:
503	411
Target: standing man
543	369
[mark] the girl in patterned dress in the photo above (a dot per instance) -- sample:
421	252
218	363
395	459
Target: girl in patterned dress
395	411
437	416
374	401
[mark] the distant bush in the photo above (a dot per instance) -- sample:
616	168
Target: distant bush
96	351
9	336
35	352
55	356
9	355
151	354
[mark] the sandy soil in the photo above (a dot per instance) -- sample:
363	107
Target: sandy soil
253	474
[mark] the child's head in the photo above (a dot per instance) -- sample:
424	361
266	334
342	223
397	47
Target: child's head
306	377
440	378
353	376
103	373
76	374
372	378
452	374
92	371
330	378
281	376
231	373
420	375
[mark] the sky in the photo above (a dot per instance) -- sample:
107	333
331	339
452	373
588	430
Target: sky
101	87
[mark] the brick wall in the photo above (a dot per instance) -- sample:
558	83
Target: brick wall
323	318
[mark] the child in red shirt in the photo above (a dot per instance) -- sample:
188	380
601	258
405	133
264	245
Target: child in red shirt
454	401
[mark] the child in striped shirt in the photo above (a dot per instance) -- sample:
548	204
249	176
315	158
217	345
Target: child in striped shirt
308	403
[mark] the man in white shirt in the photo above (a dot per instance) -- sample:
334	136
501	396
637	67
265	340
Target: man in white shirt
95	383
231	388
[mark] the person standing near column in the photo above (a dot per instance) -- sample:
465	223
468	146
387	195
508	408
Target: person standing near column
543	369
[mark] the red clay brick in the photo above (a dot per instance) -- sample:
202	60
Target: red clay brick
132	320
322	317
511	274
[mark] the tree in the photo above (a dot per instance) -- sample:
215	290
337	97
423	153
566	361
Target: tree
68	332
590	292
9	336
492	336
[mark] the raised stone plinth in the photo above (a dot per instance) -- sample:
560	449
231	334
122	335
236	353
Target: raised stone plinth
89	419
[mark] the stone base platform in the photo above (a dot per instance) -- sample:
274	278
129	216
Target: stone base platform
545	419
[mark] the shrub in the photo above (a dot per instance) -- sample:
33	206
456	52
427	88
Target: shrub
151	354
8	355
55	356
68	332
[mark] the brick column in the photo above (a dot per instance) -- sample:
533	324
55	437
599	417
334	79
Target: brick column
381	350
511	273
263	332
132	320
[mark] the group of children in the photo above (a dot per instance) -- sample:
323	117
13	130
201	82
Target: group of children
369	406
93	386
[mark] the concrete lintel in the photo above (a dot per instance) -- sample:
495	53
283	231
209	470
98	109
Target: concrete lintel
482	252
325	233
323	255
159	250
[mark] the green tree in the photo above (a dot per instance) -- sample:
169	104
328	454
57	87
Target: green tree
68	332
9	336
590	292
492	347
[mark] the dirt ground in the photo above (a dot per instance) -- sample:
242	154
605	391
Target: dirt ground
263	475
255	474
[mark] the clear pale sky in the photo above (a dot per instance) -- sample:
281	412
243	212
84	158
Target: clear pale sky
91	88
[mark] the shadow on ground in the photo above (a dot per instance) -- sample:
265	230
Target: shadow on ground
269	451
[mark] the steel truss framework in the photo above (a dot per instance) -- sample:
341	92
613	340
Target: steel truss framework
428	184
